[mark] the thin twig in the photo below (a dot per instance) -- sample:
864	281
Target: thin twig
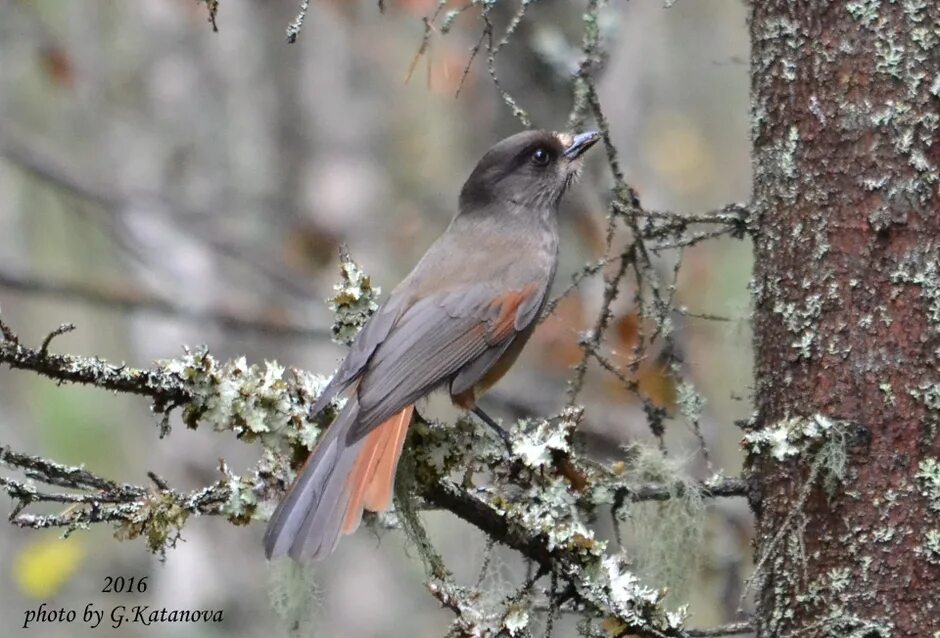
474	50
425	37
475	507
587	271
593	340
293	29
730	214
691	240
731	629
723	488
492	49
805	490
61	330
162	386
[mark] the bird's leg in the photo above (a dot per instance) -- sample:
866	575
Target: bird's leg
486	418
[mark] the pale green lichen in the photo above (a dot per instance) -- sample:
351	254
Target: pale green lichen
663	538
789	437
902	175
541	504
264	402
294	597
550	509
482	612
159	519
793	436
919	268
690	402
829	593
930	549
801	321
353	301
633	601
545	506
889	57
839	579
242	500
865	11
253	401
903	50
872	184
928	477
884	534
887	392
409	520
927	393
516	620
785	156
537	441
250	493
803	344
915	9
448	22
865	563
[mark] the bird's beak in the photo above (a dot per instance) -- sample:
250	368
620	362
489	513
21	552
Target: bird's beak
581	143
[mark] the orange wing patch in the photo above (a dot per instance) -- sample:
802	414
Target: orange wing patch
373	474
497	329
507	308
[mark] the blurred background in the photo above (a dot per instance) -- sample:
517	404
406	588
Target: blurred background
162	184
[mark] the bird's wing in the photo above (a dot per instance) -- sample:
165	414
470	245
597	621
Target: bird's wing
370	336
435	338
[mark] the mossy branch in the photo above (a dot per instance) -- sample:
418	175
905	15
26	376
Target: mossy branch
271	409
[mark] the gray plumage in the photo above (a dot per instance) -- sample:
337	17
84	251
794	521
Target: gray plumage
440	326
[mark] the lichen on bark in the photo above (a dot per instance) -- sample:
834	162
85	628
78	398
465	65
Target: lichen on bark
846	155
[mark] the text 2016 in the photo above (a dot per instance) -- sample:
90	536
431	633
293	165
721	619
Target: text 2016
121	585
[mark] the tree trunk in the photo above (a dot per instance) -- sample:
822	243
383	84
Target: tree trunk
846	97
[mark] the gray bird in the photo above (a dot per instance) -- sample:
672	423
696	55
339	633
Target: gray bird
457	322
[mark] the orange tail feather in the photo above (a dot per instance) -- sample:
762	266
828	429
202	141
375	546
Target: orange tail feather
378	493
373	475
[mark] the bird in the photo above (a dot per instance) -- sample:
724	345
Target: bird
457	322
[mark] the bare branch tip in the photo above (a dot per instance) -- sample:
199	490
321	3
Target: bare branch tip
61	330
293	29
158	480
7	333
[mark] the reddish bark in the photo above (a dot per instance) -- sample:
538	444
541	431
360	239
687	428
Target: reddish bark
846	97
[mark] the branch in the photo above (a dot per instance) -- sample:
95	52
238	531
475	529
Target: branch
733	214
731	629
721	488
524	501
213	8
274	411
293	29
163	387
157	514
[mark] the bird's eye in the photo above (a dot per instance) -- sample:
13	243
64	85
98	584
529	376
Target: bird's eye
540	157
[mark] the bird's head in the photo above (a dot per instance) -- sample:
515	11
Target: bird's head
531	169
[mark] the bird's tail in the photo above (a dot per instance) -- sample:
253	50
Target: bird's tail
335	484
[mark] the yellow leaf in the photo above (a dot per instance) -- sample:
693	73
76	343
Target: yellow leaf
45	565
